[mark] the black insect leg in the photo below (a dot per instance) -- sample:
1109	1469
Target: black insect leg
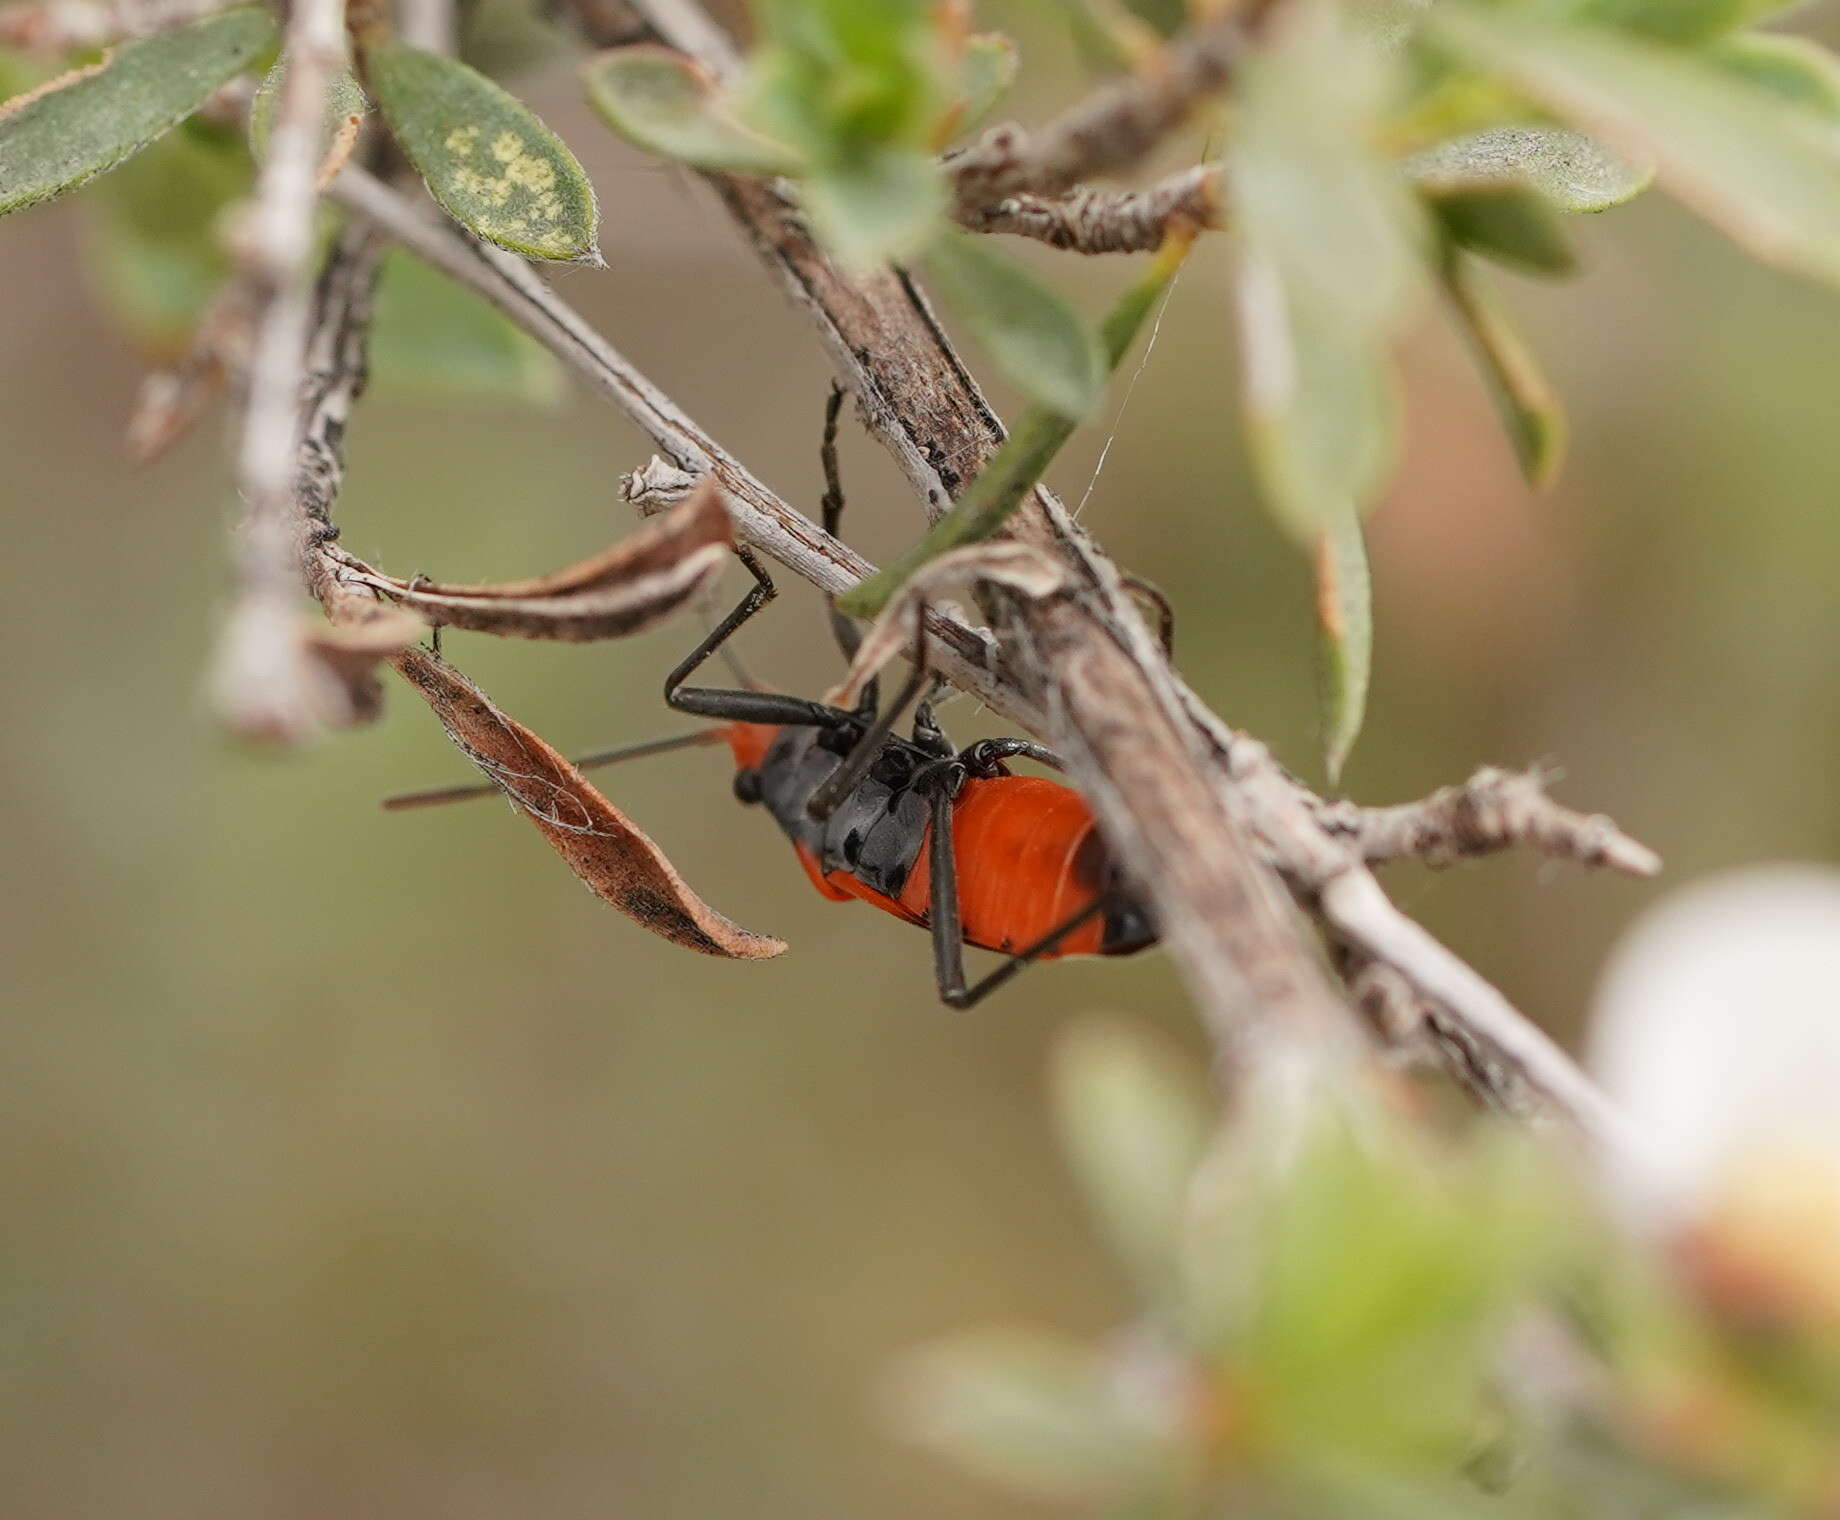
843	628
985	757
927	734
734	706
416	583
1152	594
947	927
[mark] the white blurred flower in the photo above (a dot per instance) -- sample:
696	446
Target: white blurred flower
1717	1030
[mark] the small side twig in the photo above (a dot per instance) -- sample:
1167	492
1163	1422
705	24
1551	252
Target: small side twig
1092	221
1494	810
1111	130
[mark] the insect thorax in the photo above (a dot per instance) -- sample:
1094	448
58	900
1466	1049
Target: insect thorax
876	831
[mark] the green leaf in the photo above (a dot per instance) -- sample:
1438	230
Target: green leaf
1763	171
985	74
1794	68
1529	408
1308	184
668	104
1573	172
1510	224
1033	335
1111	35
1027	1409
1688	23
1330	263
345	100
432	338
1377	1286
884	205
1135	1122
93	119
1321	413
843	82
1389	22
1024	456
493	166
1345	637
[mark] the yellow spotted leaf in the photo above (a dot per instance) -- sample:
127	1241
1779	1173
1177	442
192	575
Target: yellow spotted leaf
493	166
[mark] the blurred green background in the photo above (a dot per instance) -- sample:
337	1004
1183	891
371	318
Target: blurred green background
365	1165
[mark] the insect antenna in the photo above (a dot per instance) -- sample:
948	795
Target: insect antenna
436	795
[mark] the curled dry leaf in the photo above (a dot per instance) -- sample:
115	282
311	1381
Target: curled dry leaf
281	679
348	652
631	586
173	400
1017	567
618	863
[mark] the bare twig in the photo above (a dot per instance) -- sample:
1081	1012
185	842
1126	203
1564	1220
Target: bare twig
263	687
1491	811
173	400
1112	130
1106	221
427	24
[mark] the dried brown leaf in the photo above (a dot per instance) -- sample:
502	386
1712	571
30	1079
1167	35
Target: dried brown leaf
339	149
618	863
172	401
282	679
636	583
350	651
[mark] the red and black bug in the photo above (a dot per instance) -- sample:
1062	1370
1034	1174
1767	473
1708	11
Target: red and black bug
949	839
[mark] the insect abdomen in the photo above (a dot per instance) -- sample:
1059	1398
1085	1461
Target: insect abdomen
1029	857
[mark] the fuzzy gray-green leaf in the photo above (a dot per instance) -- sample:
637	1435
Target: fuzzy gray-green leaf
71	130
1529	407
1762	170
345	101
879	205
1024	1408
1031	332
1309	184
1345	633
1510	224
493	166
1135	1121
1793	68
1569	169
1321	413
667	104
985	74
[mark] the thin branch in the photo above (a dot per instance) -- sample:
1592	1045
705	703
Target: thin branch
427	24
1112	130
262	689
1106	221
1492	811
